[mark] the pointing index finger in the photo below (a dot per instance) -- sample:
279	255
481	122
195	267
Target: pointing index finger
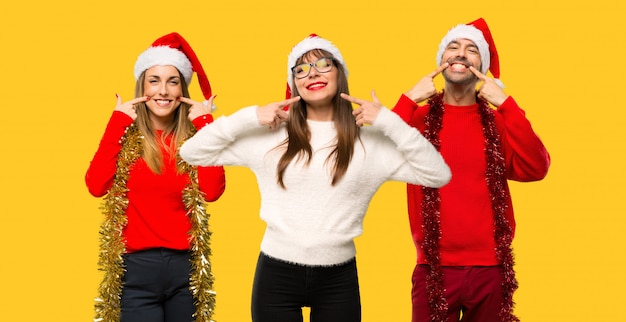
139	100
478	74
352	99
186	100
289	101
439	70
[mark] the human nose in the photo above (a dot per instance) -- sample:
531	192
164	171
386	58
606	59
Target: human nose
163	89
313	71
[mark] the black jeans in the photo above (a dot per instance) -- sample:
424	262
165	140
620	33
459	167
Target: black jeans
281	289
156	286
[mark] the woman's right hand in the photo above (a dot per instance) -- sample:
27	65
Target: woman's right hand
274	113
128	108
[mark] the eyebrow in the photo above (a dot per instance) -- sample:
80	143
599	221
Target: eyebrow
159	77
456	42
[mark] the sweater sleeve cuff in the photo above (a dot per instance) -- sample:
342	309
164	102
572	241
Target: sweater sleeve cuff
115	129
202	120
405	107
508	104
120	119
385	120
405	100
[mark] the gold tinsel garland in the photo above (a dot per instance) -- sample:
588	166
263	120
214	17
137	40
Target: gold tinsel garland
112	247
201	279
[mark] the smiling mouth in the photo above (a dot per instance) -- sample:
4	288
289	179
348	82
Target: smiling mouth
162	102
315	86
459	64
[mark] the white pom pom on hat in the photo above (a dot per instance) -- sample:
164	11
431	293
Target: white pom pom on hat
309	43
172	49
478	32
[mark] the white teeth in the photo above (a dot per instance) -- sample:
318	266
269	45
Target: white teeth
317	85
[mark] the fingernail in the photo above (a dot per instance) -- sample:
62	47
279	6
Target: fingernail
178	98
117	96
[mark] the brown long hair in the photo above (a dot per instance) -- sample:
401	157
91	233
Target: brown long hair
298	139
181	128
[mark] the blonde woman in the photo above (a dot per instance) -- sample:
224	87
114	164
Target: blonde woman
146	249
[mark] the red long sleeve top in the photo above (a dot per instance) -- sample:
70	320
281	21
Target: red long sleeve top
466	213
156	213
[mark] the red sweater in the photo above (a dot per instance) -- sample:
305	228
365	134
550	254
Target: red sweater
466	215
156	212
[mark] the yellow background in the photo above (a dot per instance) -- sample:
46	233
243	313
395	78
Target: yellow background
63	62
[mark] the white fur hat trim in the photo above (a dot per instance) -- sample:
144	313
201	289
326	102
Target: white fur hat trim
163	56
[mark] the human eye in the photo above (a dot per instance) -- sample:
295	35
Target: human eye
302	69
324	62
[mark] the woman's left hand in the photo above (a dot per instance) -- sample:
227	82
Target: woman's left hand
198	109
367	111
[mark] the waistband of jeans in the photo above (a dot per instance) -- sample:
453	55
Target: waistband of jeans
160	251
348	262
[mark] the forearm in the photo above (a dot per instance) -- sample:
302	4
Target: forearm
527	157
101	171
206	147
426	165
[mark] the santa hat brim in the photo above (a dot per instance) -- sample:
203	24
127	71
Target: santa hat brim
164	56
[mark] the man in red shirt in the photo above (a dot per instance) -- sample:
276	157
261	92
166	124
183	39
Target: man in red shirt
463	230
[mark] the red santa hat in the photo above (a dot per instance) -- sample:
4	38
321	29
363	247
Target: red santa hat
309	43
478	32
172	49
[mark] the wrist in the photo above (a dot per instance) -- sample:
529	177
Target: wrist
410	95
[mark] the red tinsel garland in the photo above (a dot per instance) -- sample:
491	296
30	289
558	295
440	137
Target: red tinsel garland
503	235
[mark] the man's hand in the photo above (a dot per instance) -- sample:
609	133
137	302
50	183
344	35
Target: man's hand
425	88
489	90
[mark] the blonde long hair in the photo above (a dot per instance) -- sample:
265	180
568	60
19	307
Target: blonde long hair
180	129
298	143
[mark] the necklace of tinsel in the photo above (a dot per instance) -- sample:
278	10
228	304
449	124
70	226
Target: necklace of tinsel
112	245
503	235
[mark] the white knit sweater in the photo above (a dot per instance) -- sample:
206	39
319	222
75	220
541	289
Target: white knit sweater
311	222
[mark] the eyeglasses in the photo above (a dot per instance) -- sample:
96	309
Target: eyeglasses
322	65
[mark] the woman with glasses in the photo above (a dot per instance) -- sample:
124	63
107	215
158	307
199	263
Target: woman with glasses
317	170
